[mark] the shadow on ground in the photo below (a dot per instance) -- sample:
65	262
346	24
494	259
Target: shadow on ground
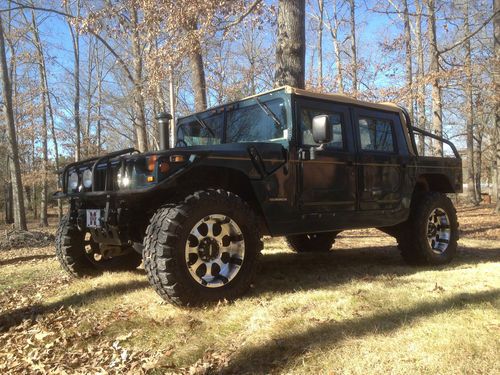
287	272
28	258
287	348
11	318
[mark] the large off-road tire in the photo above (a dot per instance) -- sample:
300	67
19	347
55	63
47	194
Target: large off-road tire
431	233
202	249
314	242
80	256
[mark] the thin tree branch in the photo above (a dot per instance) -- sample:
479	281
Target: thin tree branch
467	37
89	29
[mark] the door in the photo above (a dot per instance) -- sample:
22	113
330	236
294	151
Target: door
327	181
382	156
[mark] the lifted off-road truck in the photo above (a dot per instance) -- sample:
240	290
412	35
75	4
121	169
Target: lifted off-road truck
287	162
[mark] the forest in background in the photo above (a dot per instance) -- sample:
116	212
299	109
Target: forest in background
81	78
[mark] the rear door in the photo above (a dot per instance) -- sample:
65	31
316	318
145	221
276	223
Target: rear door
382	159
327	182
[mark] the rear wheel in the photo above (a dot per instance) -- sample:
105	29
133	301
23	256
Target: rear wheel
430	236
203	249
314	242
81	256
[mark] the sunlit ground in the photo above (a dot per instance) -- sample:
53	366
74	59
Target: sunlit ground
356	310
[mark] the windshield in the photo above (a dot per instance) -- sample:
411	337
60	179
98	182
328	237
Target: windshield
205	129
253	120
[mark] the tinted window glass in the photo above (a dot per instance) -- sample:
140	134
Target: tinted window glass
194	134
306	117
252	123
376	134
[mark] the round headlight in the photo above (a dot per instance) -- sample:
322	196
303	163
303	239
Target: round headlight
73	181
87	178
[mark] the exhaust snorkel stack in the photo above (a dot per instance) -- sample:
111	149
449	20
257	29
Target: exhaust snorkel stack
163	123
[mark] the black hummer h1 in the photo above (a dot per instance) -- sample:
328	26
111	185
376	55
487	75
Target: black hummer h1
284	163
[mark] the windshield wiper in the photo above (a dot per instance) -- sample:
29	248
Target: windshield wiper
270	113
202	123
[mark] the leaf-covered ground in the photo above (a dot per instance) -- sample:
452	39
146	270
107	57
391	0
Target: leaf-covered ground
356	310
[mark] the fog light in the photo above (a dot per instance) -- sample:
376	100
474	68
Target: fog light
73	181
87	178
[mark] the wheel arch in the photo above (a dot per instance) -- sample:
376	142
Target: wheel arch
230	179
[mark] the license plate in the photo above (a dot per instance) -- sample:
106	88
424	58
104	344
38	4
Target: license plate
93	218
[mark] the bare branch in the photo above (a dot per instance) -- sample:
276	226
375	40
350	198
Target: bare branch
89	29
467	37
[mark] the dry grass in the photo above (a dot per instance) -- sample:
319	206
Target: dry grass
356	310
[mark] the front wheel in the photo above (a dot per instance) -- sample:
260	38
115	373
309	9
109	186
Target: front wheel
81	256
203	249
430	236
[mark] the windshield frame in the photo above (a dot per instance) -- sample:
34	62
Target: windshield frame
226	108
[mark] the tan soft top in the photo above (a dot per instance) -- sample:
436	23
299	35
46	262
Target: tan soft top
333	97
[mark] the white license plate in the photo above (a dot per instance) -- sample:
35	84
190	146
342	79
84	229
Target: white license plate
93	218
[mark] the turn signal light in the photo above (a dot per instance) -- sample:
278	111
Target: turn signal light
177	158
151	162
150	178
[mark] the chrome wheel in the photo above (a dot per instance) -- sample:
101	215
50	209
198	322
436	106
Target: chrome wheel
438	230
215	250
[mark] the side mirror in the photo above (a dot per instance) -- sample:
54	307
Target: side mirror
321	129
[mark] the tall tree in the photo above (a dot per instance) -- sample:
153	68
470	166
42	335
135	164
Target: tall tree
139	105
44	93
15	167
75	39
291	44
198	80
321	6
471	189
354	52
437	106
334	31
496	41
408	61
422	119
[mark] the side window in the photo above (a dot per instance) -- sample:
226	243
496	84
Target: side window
376	134
336	121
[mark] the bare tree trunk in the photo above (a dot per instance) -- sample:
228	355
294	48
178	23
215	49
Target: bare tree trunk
354	54
139	106
477	166
471	188
9	209
496	22
198	81
100	77
320	44
171	97
75	37
437	107
45	152
291	44
15	168
422	120
408	64
334	29
90	66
